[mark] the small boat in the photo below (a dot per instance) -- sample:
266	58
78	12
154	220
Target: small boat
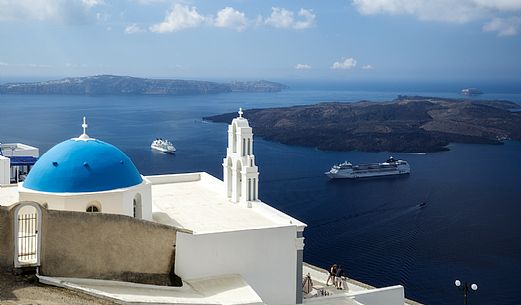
421	205
470	91
163	146
388	168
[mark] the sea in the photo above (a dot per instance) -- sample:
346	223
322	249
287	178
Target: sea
468	229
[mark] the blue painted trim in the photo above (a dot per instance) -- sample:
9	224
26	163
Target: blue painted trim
22	160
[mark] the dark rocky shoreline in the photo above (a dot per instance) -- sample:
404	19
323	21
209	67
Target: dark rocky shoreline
406	124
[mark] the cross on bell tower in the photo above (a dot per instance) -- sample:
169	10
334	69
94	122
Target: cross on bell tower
241	175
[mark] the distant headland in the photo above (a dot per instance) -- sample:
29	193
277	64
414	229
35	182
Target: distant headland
126	85
406	124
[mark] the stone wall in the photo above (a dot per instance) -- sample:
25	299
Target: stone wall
6	244
107	246
99	246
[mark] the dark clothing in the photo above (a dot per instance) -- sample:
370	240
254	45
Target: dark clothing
332	271
339	272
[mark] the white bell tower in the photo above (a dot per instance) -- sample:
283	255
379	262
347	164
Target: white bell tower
241	175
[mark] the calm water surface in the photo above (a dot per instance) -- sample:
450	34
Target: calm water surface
469	229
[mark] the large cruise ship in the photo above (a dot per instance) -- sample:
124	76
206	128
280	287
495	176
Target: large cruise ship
387	168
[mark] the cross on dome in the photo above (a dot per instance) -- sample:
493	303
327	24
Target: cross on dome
84	125
84	135
240	112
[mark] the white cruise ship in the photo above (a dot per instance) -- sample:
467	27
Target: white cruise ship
470	91
387	168
163	146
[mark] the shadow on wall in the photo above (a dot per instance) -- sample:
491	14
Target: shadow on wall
99	246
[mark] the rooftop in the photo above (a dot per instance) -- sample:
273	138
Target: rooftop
18	149
197	202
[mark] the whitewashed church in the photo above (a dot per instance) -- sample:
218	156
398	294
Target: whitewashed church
218	237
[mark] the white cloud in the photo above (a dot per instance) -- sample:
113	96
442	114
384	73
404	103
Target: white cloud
283	18
344	64
499	5
503	27
133	28
280	18
309	19
302	67
229	17
459	11
368	67
179	18
182	16
92	3
71	11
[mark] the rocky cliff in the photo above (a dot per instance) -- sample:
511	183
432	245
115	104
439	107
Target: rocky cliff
407	124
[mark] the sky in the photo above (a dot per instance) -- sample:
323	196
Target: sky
368	40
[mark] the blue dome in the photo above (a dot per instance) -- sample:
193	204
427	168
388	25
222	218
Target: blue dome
75	166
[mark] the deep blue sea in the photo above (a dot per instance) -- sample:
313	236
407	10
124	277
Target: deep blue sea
470	228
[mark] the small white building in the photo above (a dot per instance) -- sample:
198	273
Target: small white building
18	150
16	160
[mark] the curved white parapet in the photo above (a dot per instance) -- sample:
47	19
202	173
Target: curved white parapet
226	289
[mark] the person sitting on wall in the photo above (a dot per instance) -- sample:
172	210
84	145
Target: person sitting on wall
332	274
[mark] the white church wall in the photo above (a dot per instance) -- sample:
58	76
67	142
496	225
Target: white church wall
143	194
147	201
265	258
174	178
111	202
5	170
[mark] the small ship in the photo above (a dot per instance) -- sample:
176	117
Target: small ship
163	146
470	91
